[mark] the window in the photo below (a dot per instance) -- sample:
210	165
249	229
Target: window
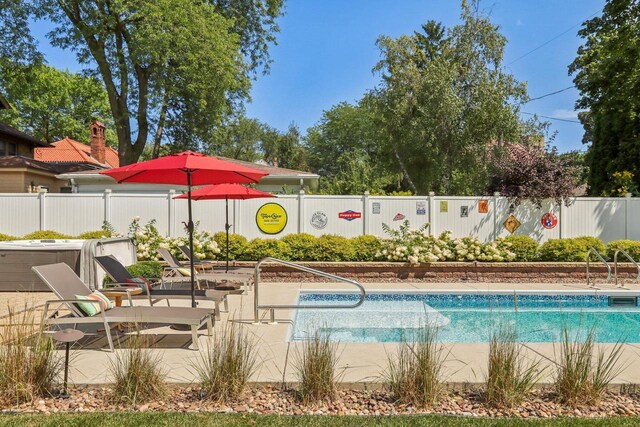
3	147
12	149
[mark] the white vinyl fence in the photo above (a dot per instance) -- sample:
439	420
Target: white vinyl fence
481	217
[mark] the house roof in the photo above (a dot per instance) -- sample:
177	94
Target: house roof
15	134
271	170
8	162
68	150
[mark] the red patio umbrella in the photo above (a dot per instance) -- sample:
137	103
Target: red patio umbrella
226	192
187	168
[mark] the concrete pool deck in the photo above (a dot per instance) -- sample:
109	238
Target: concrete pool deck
363	363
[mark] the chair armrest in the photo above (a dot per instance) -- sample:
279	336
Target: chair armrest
71	301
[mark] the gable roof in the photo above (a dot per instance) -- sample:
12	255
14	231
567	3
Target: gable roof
271	170
7	162
16	135
68	150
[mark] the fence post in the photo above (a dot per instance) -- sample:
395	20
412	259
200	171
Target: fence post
562	214
365	213
627	203
171	213
42	195
432	214
496	196
237	220
107	205
301	211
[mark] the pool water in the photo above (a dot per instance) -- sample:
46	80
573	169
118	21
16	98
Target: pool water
385	317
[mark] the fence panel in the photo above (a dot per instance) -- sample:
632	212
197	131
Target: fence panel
345	215
247	209
463	216
124	207
394	210
530	218
599	217
19	213
74	213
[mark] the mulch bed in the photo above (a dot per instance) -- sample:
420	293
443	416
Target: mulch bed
268	400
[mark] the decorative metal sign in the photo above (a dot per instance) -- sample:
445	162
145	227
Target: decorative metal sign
464	211
549	221
483	206
319	220
271	218
375	208
399	217
421	207
349	215
512	224
444	206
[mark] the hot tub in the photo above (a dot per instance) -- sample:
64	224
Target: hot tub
18	256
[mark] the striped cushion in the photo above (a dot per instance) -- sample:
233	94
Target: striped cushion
184	271
91	309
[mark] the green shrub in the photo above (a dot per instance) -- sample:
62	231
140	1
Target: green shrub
300	246
262	248
45	235
330	247
364	248
525	248
630	246
151	269
97	234
237	244
6	237
569	249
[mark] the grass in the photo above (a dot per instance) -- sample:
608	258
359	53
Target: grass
316	366
509	377
172	419
414	372
581	376
224	369
137	373
29	366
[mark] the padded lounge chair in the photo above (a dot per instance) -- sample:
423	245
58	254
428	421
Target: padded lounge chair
64	282
217	266
121	276
220	281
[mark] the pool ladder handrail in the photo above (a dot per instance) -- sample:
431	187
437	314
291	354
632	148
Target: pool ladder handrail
606	264
257	307
615	265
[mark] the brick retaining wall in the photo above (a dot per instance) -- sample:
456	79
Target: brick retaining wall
538	272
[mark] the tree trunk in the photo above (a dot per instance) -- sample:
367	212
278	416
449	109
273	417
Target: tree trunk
158	138
405	173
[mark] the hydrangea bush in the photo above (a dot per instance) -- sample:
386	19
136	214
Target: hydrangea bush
418	246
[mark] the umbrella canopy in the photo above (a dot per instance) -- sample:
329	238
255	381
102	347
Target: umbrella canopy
187	168
226	192
176	169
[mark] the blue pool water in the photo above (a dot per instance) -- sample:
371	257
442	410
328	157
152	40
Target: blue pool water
385	317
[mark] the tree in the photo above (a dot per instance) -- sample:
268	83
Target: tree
445	100
51	104
284	149
528	171
164	63
240	139
606	72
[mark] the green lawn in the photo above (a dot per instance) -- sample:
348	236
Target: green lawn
218	420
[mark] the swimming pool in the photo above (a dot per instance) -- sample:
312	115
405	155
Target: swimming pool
468	317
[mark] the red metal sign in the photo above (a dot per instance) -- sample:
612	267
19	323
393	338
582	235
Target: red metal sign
549	220
349	215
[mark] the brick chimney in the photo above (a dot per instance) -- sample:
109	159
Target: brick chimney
98	141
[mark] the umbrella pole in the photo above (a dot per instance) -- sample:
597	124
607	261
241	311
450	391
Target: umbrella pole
226	227
190	227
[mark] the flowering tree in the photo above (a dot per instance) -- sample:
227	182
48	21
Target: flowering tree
529	172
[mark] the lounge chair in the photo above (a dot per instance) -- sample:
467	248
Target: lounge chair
219	281
121	276
65	284
217	266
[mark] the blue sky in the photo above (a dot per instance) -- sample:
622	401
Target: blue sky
326	50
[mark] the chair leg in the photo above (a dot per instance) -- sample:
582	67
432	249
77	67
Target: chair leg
210	323
217	310
194	337
107	331
226	304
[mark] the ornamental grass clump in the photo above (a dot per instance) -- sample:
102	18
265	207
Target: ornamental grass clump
228	363
29	365
316	366
137	372
509	378
414	372
582	377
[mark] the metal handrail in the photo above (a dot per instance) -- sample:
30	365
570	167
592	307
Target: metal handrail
615	264
272	308
594	251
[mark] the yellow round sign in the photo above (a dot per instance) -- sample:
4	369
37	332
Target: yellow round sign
271	218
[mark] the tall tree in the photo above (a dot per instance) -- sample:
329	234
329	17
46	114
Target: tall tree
51	104
606	71
240	138
284	149
445	100
163	62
